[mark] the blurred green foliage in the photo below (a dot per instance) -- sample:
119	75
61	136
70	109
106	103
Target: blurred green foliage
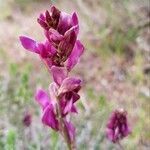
10	143
23	93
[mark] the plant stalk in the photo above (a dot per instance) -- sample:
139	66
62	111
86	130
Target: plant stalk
63	128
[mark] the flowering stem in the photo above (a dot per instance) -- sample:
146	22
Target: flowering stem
63	128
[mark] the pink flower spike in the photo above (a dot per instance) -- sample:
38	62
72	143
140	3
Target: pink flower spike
60	51
48	116
117	126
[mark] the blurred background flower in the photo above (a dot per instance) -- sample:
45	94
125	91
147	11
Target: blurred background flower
118	126
115	70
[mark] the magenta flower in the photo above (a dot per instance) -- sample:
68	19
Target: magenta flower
67	54
117	127
65	88
68	89
60	52
64	92
49	116
61	47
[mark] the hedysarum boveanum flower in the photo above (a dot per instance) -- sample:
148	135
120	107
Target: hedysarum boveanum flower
61	47
60	52
117	126
63	92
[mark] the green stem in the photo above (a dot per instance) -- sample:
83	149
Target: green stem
63	128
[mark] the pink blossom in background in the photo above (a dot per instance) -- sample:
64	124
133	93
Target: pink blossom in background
117	126
27	119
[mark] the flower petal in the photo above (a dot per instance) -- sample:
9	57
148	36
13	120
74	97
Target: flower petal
75	55
59	74
48	17
29	44
125	129
69	84
65	23
75	22
42	23
68	106
46	49
110	134
66	45
75	19
42	17
53	35
42	98
75	96
47	61
49	117
74	109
